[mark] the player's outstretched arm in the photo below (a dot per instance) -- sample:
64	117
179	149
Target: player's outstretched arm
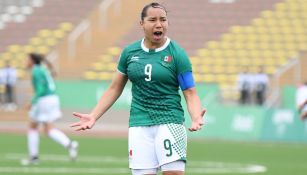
86	122
194	108
108	98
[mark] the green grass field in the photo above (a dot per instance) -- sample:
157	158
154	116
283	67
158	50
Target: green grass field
109	156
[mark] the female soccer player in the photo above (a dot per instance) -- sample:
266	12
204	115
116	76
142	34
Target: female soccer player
45	109
157	66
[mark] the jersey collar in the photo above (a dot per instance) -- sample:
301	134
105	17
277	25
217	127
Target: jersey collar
158	49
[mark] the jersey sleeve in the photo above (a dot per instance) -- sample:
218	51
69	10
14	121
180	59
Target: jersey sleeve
183	62
122	63
38	83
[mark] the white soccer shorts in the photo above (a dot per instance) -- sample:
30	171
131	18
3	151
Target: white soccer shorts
151	147
47	109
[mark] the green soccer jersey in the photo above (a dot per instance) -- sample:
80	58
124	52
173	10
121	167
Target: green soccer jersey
42	82
155	88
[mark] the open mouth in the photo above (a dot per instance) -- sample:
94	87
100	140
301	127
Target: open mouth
157	35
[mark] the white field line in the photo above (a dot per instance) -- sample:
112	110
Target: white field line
196	167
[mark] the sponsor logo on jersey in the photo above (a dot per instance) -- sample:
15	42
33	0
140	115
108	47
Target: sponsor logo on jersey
135	58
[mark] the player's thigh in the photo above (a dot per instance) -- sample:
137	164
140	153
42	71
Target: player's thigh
142	153
171	143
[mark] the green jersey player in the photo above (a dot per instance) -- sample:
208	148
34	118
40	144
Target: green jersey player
45	109
156	67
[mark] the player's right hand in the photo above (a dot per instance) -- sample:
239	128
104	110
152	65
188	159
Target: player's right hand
86	122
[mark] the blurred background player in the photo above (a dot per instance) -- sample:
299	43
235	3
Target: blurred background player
45	109
9	78
301	100
156	66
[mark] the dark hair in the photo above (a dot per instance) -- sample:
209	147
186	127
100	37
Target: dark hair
36	58
153	5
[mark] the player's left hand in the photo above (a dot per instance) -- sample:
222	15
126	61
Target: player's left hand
198	123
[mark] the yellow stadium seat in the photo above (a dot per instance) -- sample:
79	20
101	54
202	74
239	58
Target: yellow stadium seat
217	53
14	48
98	66
205	69
242	53
2	63
229	53
252	37
222	78
264	45
257	61
280	14
90	75
258	22
220	61
245	61
213	44
20	73
271	22
111	66
231	61
267	14
227	37
225	45
269	61
203	52
249	30
240	37
114	51
65	26
51	41
238	45
236	29
276	46
6	56
270	69
303	46
197	77
36	41
268	53
231	69
280	6
105	58
195	68
44	33
42	50
217	69
105	76
28	48
58	34
195	60
281	61
209	78
251	45
255	53
264	38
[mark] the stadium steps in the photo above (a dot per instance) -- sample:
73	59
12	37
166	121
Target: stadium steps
101	39
191	25
270	40
49	15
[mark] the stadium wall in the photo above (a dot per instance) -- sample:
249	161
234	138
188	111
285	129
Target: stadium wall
233	122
